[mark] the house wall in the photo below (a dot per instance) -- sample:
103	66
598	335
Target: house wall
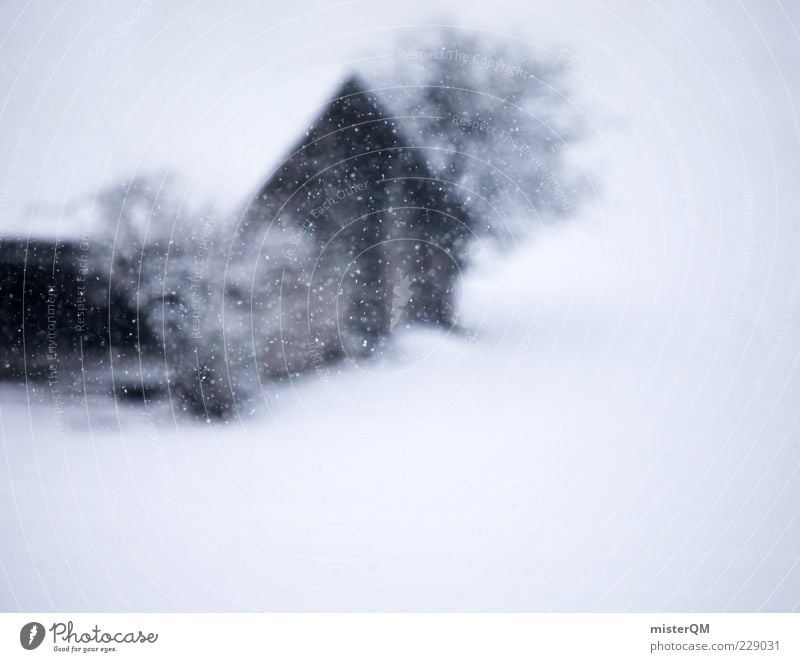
54	306
365	227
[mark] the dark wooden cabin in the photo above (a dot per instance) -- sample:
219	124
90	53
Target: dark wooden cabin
350	238
358	189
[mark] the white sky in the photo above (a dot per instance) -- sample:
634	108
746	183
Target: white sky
216	92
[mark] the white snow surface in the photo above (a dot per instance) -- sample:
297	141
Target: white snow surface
614	427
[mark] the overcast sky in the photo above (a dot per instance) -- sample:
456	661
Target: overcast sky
92	92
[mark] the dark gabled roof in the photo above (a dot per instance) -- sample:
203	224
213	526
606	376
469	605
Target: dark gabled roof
354	138
353	125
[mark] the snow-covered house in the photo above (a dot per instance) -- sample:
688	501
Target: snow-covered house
360	231
351	236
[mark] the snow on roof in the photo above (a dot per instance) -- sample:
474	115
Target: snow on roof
71	222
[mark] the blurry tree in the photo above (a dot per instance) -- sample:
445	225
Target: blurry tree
166	261
492	115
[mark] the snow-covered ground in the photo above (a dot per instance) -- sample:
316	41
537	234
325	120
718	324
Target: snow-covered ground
575	453
615	427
